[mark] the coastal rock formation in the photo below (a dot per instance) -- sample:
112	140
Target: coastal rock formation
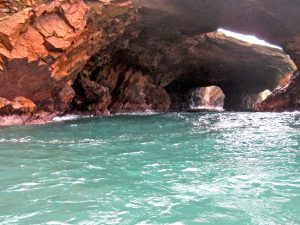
276	21
210	98
44	47
111	56
181	63
118	90
138	93
272	20
284	98
19	111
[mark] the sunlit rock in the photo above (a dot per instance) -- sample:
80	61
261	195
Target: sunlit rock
19	105
206	98
45	44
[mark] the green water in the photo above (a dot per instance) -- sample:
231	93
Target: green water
198	168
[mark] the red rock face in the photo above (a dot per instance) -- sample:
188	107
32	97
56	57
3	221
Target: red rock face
40	46
43	48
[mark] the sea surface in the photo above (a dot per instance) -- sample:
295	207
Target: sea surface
180	168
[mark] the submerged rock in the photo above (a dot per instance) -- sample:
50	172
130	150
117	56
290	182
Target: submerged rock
26	119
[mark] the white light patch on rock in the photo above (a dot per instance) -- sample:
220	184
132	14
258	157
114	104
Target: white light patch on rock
247	38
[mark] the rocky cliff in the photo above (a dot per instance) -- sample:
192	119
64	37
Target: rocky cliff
44	46
112	56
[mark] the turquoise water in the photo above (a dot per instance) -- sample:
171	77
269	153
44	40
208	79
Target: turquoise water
178	168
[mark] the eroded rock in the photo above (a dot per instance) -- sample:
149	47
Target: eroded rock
119	90
283	99
9	7
138	93
45	46
272	20
185	62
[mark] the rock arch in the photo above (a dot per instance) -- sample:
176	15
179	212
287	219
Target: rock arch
273	20
184	63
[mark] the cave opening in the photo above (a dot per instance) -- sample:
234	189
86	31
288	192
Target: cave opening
282	75
210	98
193	72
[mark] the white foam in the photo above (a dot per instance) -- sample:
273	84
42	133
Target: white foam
66	118
153	165
141	113
94	167
132	153
29	184
190	170
15	140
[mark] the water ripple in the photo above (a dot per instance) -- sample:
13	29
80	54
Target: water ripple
175	169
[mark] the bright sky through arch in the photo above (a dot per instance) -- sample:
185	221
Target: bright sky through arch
247	38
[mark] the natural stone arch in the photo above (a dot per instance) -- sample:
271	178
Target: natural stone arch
187	62
275	21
